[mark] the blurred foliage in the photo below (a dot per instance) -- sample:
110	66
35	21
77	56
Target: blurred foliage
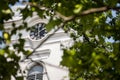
90	58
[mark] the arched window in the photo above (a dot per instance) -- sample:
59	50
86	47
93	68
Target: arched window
35	73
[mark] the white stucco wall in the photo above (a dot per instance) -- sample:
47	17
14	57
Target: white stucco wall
49	52
52	63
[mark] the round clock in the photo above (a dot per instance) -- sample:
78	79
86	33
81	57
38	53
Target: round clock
38	31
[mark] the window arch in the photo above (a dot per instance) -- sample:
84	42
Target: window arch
35	73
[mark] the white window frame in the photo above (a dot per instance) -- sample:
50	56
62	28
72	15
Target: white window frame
35	74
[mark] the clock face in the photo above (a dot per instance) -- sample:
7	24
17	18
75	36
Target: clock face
38	31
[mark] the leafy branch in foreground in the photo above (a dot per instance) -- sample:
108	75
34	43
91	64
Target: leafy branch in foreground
91	57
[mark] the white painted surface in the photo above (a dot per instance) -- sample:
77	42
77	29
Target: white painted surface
50	52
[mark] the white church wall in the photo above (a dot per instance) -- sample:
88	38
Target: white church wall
52	62
50	52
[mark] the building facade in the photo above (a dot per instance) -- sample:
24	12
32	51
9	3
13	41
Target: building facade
44	63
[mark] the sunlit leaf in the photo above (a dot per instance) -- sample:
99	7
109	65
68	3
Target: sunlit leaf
52	24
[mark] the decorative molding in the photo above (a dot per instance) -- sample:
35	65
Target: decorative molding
40	54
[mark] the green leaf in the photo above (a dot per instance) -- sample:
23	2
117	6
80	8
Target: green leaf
2	52
78	8
52	23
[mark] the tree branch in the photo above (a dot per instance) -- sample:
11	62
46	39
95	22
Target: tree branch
69	18
83	13
96	10
91	11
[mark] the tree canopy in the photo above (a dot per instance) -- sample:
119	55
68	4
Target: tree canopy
96	21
